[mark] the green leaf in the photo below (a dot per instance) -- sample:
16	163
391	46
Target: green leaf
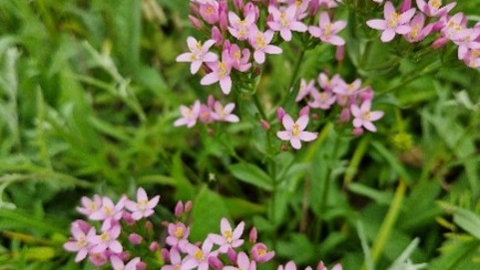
467	220
208	209
251	174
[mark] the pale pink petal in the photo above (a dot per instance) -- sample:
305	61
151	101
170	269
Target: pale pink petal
286	34
298	26
237	233
226	85
365	107
355	110
192	43
184	57
225	225
357	122
307	136
403	29
210	57
337	41
284	135
388	35
210	78
375	115
259	57
295	142
302	122
314	31
287	122
377	24
407	16
369	126
272	49
388	10
195	66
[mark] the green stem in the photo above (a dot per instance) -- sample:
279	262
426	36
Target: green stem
356	159
296	70
388	222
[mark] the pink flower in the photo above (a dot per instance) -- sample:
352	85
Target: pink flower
322	100
222	113
189	115
229	238
239	58
178	235
321	266
198	54
364	117
220	73
260	253
142	207
285	21
118	264
79	243
433	9
108	238
89	205
418	32
261	44
327	31
109	210
198	257
243	263
305	89
209	10
393	23
294	131
176	262
240	28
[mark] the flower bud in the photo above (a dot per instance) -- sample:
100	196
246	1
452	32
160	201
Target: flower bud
265	125
135	239
232	255
196	23
178	209
215	263
304	111
165	254
340	53
149	225
253	235
141	266
188	206
154	246
357	131
280	114
238	4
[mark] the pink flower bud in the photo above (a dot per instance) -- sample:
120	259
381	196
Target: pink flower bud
232	255
148	225
141	266
366	94
217	36
165	254
314	6
253	235
82	225
265	125
196	23
178	209
238	4
127	217
223	14
304	111
215	263
321	266
345	115
280	113
135	239
194	9
210	103
406	5
251	8
154	246
188	206
357	131
340	53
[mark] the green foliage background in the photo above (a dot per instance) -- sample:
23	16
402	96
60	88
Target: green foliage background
89	91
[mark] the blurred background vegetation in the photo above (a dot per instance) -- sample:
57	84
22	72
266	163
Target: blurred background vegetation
89	91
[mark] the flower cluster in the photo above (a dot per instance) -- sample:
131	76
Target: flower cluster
412	25
120	236
105	243
242	37
206	113
322	94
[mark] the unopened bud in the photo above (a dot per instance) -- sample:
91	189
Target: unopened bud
232	255
280	114
340	53
141	266
215	263
304	111
196	23
265	125
154	246
148	225
135	239
357	131
165	254
253	235
179	209
188	206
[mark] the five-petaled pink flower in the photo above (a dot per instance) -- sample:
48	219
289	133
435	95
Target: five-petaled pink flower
393	23
285	21
198	54
294	131
327	31
220	73
79	243
229	238
224	113
261	44
142	207
118	264
189	115
363	116
432	7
